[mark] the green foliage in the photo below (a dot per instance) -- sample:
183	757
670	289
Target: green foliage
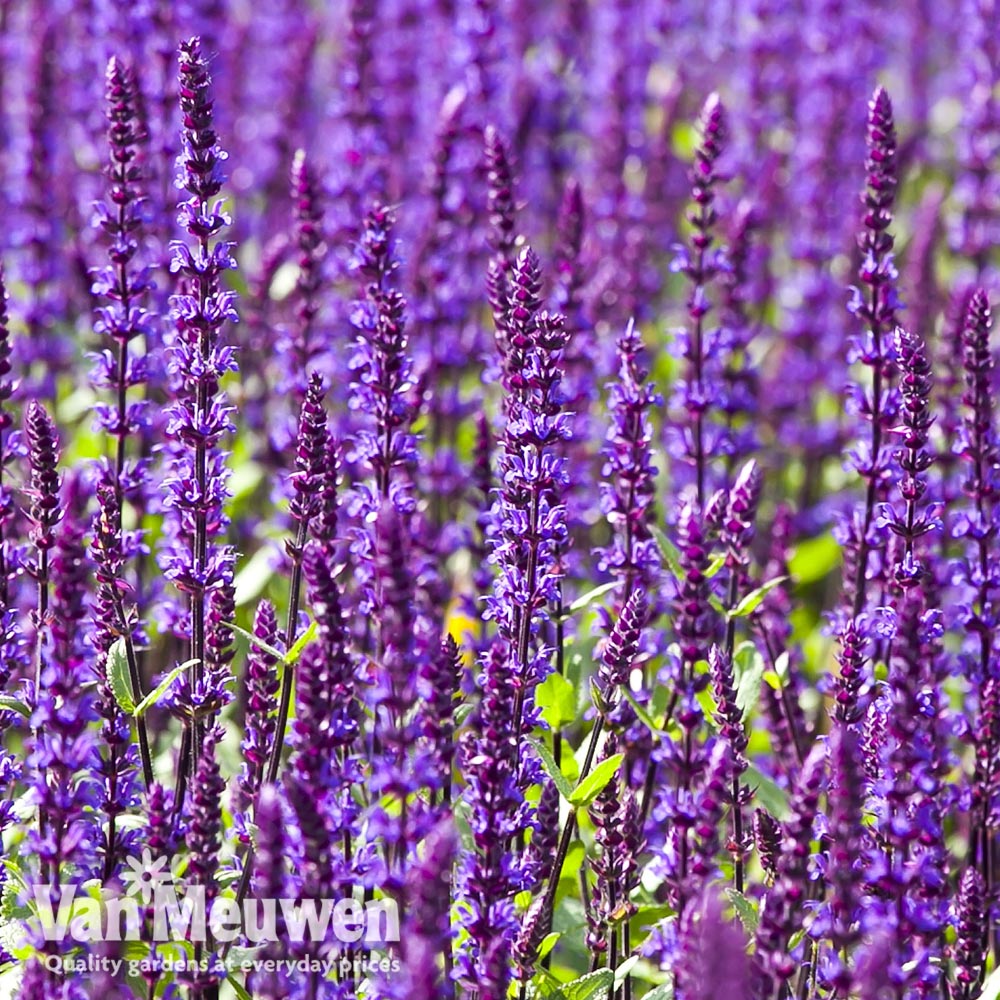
119	678
595	782
557	700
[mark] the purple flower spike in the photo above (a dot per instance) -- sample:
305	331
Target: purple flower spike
875	306
262	699
124	284
622	646
969	951
308	348
712	959
700	390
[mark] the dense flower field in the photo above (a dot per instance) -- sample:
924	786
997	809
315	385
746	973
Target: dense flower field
499	500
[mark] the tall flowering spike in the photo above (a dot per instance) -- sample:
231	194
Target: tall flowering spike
118	770
61	756
529	518
978	571
545	834
381	366
693	622
520	305
875	304
701	388
427	933
615	864
200	416
914	458
976	190
849	705
773	965
201	162
910	823
7	444
160	830
270	882
341	725
569	256
969	951
492	875
205	818
712	797
310	241
220	611
712	959
622	646
438	685
500	193
846	846
311	454
729	716
977	438
45	511
628	487
123	285
261	682
317	872
767	837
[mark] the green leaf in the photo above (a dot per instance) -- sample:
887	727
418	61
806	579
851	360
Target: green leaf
585	600
745	909
557	700
118	677
586	986
295	653
670	552
160	690
625	968
548	943
595	782
665	991
10	704
259	643
715	565
769	795
551	768
753	600
814	559
240	991
749	666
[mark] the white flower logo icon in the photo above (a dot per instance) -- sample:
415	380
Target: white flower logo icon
145	874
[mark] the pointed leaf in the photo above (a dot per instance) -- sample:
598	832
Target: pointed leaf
118	676
753	600
551	768
670	552
768	794
745	909
595	782
585	600
11	704
160	690
294	654
259	643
